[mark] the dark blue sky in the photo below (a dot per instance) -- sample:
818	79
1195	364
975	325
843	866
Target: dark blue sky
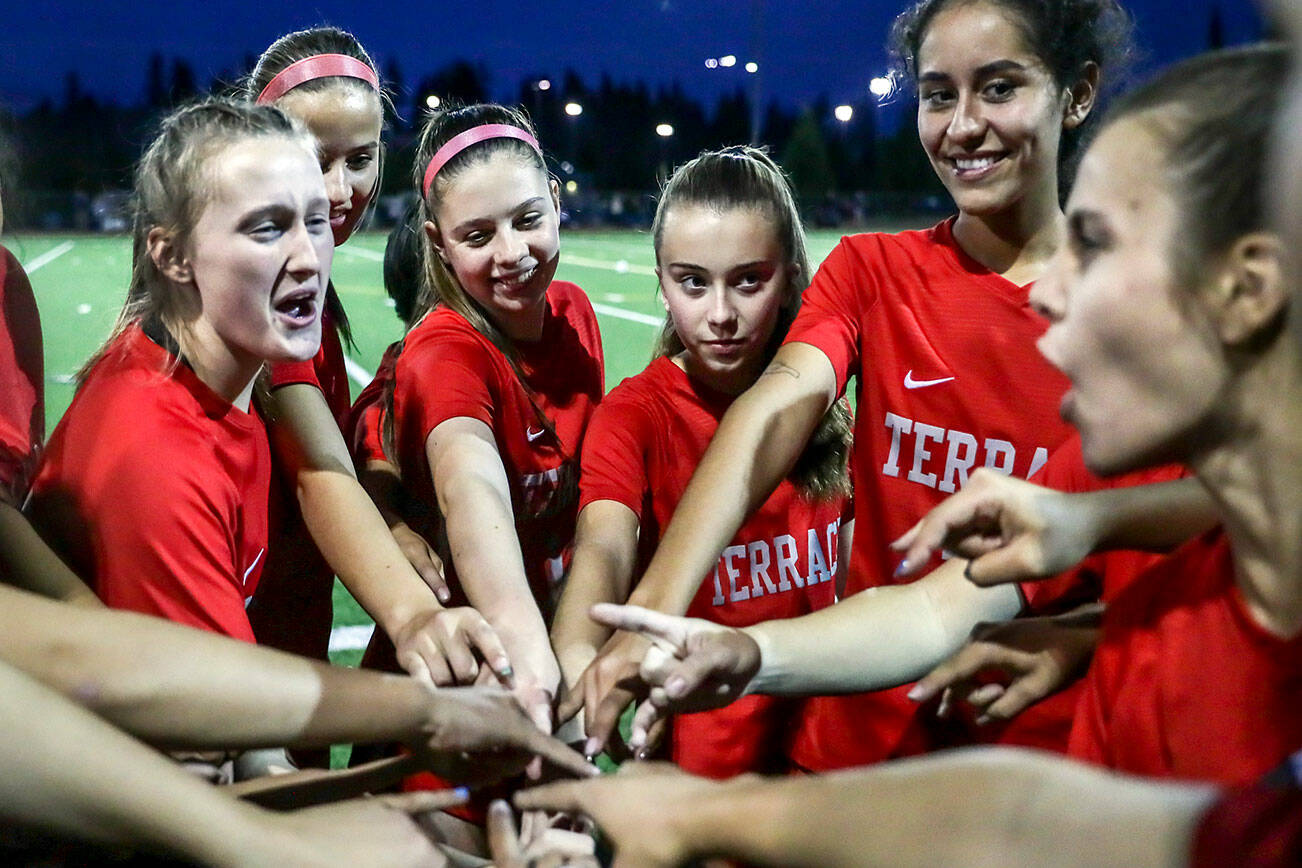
805	47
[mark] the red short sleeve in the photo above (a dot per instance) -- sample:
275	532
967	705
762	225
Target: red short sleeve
832	312
614	460
461	365
22	387
366	419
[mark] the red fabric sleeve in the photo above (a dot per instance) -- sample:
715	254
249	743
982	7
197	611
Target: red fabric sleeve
613	465
832	310
1252	827
445	379
22	380
366	418
173	552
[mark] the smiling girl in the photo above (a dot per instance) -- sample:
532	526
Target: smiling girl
730	253
494	387
154	485
935	326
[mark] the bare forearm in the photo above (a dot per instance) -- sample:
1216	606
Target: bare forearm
1000	807
359	546
605	552
172	685
1151	517
27	562
879	638
70	773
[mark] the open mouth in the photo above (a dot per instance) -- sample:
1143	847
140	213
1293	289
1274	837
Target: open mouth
298	308
514	281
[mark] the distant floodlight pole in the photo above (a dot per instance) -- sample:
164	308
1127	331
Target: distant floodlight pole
843	113
881	86
664	132
756	77
432	101
573	109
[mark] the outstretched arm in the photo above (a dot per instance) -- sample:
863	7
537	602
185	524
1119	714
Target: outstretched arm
977	807
1015	530
179	687
71	774
432	642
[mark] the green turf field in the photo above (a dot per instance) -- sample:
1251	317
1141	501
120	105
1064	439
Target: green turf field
80	282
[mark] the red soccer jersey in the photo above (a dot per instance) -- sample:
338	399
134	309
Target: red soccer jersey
22	380
294	608
448	370
1184	683
644	443
153	488
1259	826
948	379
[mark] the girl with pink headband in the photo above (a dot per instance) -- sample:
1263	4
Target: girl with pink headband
323	522
494	387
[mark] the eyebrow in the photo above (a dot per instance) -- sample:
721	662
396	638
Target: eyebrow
982	71
527	203
756	263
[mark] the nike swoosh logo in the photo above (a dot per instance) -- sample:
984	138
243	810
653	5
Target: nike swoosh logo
534	435
910	383
252	565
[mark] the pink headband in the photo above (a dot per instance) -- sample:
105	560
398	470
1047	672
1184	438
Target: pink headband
314	67
461	141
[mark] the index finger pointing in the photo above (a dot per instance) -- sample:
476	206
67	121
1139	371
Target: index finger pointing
558	754
568	796
649	623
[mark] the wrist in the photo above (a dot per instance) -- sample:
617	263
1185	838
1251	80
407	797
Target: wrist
764	678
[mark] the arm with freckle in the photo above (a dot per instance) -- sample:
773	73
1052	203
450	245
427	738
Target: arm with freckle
358	545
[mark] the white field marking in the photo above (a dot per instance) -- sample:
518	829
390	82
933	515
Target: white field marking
620	313
357	373
351	638
48	256
622	266
362	252
615	297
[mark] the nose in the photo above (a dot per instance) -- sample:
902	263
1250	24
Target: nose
722	315
509	249
337	187
304	259
968	123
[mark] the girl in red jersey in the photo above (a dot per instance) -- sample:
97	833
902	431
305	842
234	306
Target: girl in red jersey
934	325
494	388
154	484
323	522
730	253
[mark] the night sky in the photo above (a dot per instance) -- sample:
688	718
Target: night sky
804	47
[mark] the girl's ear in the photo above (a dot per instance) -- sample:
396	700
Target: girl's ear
1251	296
555	187
660	290
1082	96
167	256
435	239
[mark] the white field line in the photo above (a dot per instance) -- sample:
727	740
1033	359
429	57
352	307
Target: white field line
357	373
351	638
622	266
362	253
48	256
620	313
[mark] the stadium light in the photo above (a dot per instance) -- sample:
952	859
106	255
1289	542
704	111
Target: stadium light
711	63
571	186
752	67
728	60
544	84
573	109
664	131
843	113
432	101
881	86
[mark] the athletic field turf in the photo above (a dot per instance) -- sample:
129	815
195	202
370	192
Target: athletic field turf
80	282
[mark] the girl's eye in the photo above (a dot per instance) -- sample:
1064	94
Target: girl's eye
529	221
936	98
1000	90
476	239
358	162
267	231
318	223
691	282
749	281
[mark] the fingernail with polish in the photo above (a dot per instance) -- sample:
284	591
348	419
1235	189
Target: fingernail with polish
461	792
902	568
